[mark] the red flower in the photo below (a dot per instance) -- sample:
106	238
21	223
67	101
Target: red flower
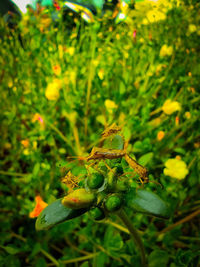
56	5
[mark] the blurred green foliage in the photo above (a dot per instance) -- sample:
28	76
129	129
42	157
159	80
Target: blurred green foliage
97	75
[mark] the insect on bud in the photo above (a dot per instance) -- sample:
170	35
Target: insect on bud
79	198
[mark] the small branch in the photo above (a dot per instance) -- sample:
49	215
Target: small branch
136	238
186	219
51	258
75	248
76	259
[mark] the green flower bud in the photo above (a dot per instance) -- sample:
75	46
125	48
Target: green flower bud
122	186
95	181
78	199
113	203
97	214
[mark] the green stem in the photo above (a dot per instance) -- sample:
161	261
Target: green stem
14	173
134	234
51	258
53	127
90	78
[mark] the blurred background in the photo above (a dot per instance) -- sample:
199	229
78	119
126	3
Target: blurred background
68	70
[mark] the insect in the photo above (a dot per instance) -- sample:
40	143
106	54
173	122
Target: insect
70	180
99	153
113	129
139	169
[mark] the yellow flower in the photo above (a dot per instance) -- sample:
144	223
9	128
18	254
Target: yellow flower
70	51
52	90
60	51
160	135
155	15
170	107
101	74
187	114
166	50
192	28
110	105
176	168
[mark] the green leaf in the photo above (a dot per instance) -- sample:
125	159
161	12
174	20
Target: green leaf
11	250
147	202
56	213
145	159
115	142
36	169
158	258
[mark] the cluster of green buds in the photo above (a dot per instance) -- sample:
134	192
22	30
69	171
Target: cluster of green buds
102	192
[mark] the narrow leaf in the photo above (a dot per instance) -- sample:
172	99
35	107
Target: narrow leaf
56	213
147	202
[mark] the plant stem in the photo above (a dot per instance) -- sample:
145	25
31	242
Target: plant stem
134	234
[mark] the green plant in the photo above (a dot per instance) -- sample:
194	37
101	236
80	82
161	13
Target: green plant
110	199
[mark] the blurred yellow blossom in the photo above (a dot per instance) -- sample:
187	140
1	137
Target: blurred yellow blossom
192	28
26	152
166	50
187	114
154	16
34	145
10	83
101	74
176	168
61	50
170	106
70	51
52	90
160	135
110	105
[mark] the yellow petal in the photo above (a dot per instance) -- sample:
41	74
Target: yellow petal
170	107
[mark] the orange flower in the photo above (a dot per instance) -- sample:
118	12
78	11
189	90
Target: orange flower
160	135
38	117
57	70
40	205
25	143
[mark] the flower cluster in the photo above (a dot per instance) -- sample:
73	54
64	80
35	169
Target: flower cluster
176	168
